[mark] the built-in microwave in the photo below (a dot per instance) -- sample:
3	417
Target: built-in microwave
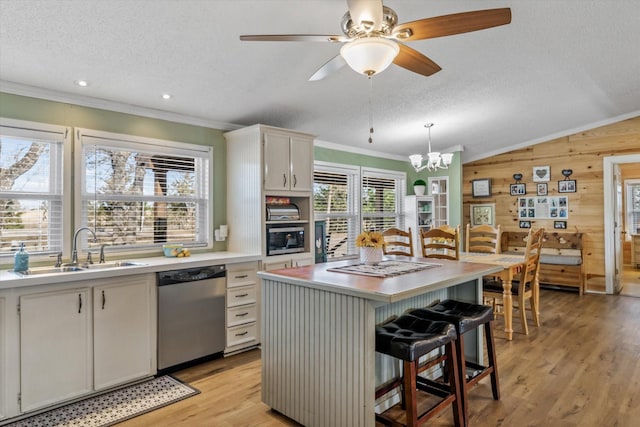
284	239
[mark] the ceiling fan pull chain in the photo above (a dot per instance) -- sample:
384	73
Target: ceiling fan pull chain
370	110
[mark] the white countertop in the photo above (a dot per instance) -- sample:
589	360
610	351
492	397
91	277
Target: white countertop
10	280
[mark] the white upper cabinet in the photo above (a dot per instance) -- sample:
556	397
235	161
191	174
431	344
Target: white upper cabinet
288	162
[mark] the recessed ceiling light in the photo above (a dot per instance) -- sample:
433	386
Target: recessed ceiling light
82	83
166	96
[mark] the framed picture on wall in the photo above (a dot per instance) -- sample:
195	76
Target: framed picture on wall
542	188
541	174
567	186
518	189
525	224
481	187
560	225
483	214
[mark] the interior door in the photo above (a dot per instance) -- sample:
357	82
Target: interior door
617	229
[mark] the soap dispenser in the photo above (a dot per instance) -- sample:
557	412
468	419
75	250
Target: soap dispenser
21	260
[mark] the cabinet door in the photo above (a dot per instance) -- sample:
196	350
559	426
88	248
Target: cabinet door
301	164
122	331
55	347
276	162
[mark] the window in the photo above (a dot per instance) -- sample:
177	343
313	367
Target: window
633	207
335	202
31	186
382	199
350	199
140	193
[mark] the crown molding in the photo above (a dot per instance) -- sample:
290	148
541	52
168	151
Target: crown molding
86	101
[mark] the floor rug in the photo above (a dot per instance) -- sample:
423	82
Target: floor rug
113	407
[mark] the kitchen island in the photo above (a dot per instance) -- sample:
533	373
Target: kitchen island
319	365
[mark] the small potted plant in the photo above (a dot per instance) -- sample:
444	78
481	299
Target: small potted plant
419	187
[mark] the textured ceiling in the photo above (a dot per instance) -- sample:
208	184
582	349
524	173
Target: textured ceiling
559	67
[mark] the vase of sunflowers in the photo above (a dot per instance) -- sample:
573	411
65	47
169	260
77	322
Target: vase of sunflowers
370	244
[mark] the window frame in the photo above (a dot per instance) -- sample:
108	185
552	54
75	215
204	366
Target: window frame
60	171
162	147
356	200
400	179
353	206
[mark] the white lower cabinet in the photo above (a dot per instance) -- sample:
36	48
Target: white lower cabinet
243	307
121	331
55	347
64	341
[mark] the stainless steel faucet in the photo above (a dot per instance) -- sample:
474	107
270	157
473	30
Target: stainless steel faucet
74	251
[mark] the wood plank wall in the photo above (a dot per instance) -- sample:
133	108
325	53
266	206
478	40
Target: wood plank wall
582	152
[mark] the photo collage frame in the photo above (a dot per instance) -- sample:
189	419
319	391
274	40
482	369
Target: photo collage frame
543	208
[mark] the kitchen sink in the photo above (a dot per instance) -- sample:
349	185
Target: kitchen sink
35	271
48	270
114	264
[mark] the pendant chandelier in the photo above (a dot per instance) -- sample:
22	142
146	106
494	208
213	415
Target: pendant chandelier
435	160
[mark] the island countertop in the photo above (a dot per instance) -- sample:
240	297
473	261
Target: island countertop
383	289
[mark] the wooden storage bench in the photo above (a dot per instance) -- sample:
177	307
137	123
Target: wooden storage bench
561	262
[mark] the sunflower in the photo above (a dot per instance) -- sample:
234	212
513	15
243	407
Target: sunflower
370	239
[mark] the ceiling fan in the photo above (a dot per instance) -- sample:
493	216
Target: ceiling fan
374	39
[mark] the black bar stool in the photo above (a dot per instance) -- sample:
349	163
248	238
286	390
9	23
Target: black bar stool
408	338
467	317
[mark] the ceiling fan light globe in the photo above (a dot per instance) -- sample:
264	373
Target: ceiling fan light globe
369	55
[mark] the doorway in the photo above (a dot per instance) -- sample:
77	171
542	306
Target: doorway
616	276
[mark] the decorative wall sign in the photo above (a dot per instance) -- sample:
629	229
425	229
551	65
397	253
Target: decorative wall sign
525	224
543	207
542	188
483	214
567	186
518	189
560	225
481	187
541	173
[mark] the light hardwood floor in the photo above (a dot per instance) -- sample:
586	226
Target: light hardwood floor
580	368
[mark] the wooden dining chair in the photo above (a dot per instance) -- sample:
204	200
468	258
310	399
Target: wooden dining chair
441	242
483	238
397	242
526	287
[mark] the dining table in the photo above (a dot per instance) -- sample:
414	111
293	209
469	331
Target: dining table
511	265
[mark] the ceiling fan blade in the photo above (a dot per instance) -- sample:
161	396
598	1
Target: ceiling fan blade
294	38
331	66
414	61
367	13
457	23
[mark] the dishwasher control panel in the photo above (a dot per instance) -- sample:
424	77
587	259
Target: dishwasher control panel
191	275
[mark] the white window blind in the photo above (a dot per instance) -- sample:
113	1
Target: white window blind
137	193
382	196
633	207
335	202
31	187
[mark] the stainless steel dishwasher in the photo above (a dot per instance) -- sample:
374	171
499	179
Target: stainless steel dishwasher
191	315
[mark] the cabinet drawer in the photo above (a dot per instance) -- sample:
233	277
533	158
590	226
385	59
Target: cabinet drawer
242	334
241	278
242	296
242	314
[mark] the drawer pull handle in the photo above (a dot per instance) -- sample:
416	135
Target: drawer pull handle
244	276
241	314
242	295
242	333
